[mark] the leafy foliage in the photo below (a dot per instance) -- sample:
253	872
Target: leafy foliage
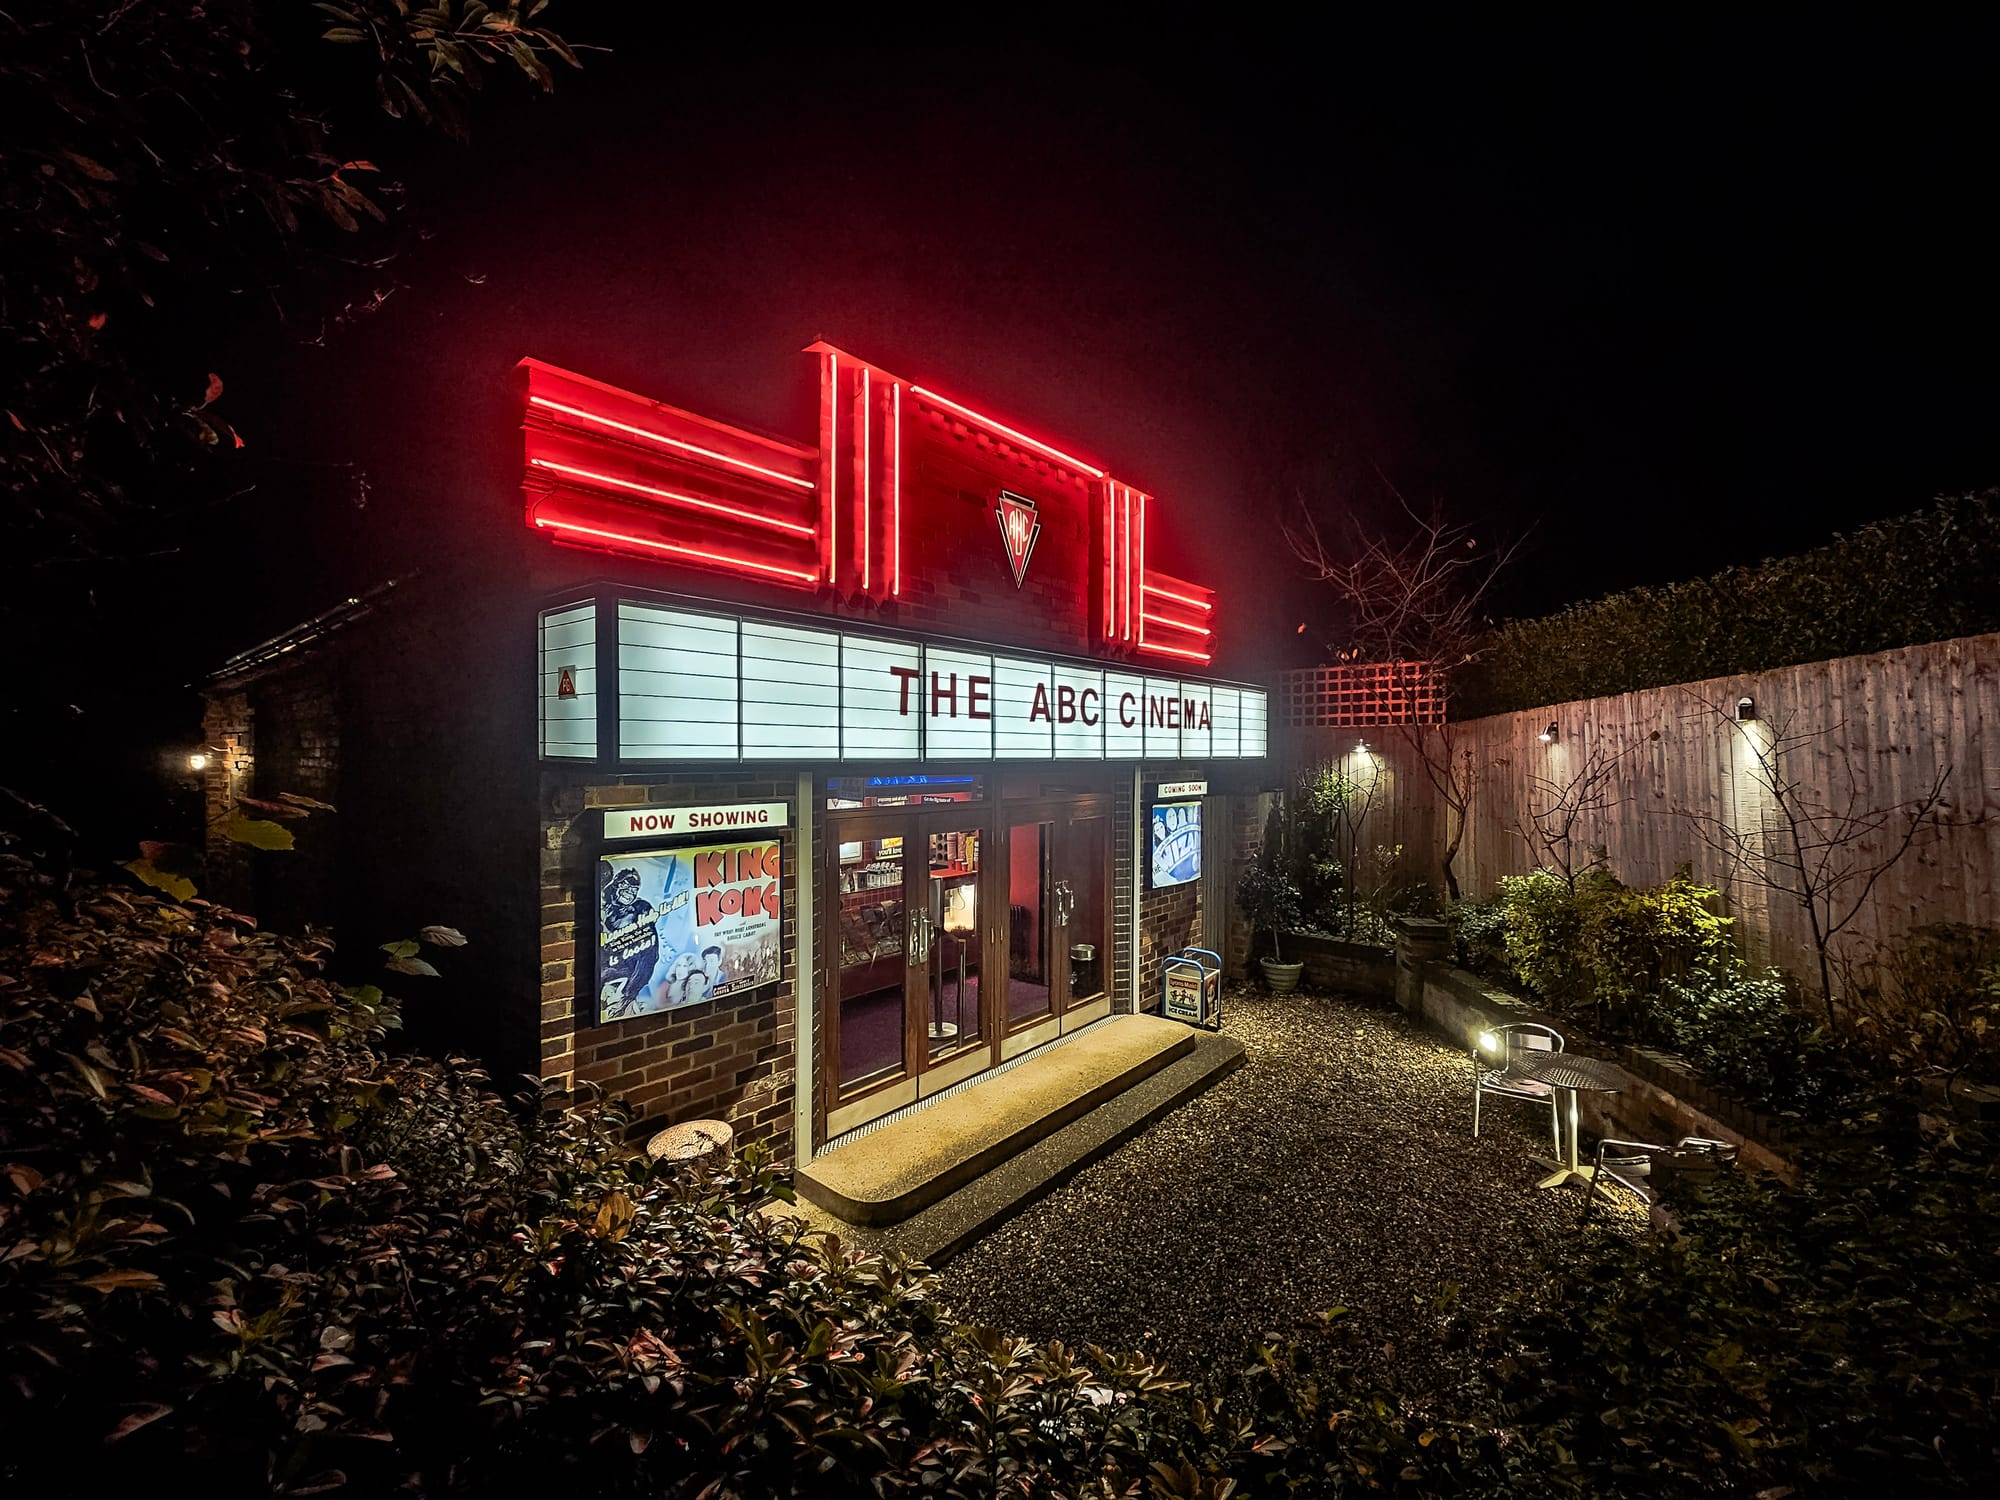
1633	942
1656	967
1840	1339
1928	576
1479	938
1744	1030
172	174
243	1249
1930	1003
1544	935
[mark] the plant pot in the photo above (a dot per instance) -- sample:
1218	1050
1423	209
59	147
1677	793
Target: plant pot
1282	979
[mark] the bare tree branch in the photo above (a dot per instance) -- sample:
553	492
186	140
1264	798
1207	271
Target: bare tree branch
1827	850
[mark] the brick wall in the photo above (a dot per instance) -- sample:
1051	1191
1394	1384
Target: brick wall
398	720
1246	821
730	1059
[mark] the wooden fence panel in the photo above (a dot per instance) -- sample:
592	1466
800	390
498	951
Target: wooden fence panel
1861	732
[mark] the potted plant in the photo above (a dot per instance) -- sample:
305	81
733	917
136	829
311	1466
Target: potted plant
1271	903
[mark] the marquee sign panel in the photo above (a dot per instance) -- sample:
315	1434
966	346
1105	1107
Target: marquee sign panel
698	686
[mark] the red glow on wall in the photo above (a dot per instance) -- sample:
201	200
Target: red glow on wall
1004	430
717	559
654	492
896	488
832	471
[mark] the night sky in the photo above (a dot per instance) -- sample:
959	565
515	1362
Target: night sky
1661	295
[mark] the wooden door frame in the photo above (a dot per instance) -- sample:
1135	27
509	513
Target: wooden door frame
876	823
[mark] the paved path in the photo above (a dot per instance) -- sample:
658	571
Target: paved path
1335	1169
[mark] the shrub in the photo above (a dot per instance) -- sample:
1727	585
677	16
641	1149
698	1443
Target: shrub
1747	1032
1270	900
1841	1339
1479	938
1631	942
1930	1004
1927	576
1543	933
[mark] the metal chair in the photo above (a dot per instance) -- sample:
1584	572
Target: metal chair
1494	1054
1630	1164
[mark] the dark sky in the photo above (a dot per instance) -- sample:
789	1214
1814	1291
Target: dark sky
1664	295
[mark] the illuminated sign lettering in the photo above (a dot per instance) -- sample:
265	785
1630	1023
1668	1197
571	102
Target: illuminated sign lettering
697	686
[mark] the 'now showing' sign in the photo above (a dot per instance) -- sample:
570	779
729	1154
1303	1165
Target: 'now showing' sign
665	822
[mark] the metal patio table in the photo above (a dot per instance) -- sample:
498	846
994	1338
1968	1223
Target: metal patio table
1570	1073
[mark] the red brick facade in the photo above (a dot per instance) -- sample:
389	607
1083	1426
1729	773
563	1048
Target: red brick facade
729	1059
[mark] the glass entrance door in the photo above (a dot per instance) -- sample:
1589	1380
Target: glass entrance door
873	927
951	1023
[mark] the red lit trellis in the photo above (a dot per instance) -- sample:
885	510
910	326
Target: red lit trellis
1396	692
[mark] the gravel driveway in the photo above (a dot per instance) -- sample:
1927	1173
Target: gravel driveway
1336	1168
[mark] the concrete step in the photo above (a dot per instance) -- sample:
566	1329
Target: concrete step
935	1233
893	1172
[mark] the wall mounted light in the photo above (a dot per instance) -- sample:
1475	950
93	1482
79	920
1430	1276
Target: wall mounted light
198	761
243	765
1361	747
1550	735
1746	710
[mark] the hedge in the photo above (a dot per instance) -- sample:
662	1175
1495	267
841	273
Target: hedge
1927	576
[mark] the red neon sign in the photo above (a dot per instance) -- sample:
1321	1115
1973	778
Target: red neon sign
658	437
720	559
612	468
655	492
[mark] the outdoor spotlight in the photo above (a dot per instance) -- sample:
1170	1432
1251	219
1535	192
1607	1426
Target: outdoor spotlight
198	761
1746	711
1361	747
1549	736
1488	1042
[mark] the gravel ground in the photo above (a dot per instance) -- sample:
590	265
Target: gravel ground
1335	1168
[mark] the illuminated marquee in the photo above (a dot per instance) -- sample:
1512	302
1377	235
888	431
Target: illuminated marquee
699	686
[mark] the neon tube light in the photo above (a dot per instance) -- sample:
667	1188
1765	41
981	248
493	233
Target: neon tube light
1020	437
612	480
1154	588
1125	551
656	437
833	470
1177	651
1178	624
723	559
1110	579
896	489
865	549
1141	574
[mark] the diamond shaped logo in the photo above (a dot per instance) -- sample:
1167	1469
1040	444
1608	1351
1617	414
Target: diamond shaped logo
1019	528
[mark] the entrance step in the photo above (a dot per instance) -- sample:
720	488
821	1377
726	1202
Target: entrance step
926	1187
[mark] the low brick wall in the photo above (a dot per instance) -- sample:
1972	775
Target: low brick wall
1658	1099
1351	968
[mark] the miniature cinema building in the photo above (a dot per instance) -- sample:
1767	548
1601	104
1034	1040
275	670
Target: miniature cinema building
819	777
